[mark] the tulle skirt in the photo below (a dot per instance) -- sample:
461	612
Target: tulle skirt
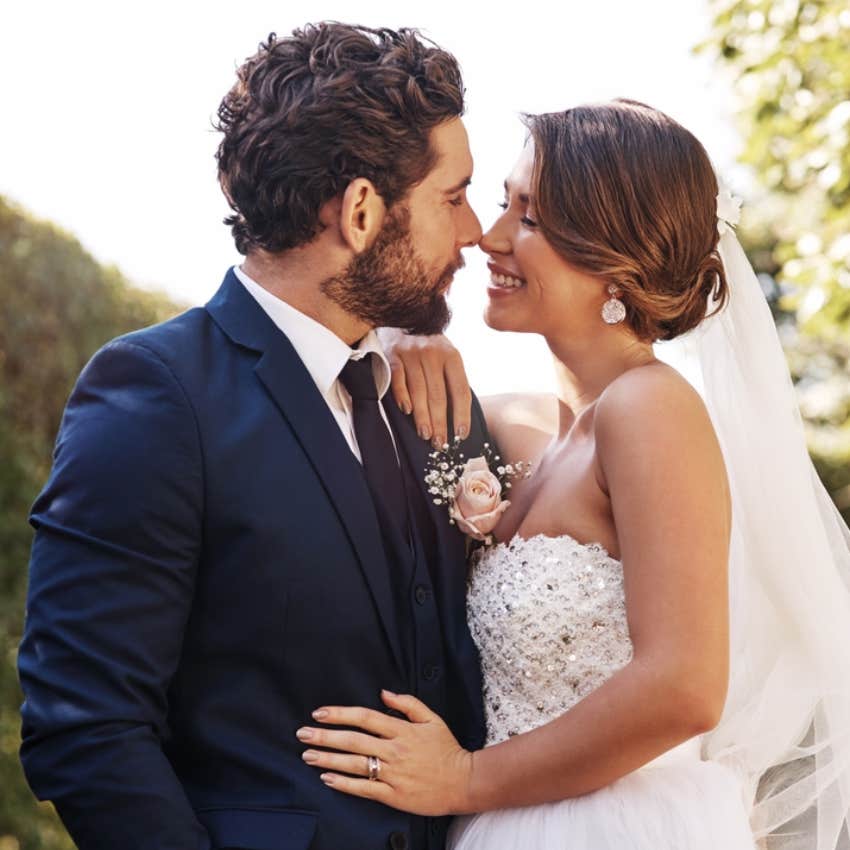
677	802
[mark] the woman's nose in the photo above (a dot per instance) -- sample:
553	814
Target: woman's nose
495	241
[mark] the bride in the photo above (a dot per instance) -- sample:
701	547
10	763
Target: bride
664	624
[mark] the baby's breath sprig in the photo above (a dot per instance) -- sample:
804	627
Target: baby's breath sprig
443	471
445	467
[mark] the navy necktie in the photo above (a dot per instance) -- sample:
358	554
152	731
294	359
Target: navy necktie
383	473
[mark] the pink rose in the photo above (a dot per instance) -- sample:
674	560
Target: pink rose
478	504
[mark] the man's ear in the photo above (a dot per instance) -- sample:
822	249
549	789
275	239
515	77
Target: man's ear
361	214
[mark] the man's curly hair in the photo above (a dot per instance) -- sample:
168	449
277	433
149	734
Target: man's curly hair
314	111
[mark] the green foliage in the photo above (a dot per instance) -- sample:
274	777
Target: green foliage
790	67
59	306
792	80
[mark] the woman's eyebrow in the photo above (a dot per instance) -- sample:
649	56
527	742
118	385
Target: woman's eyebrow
523	198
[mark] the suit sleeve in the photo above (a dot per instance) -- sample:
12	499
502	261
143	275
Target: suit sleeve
112	574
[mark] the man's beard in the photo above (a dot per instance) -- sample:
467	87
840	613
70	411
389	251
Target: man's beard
388	286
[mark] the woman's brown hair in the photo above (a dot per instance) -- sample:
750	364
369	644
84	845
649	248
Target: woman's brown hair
624	192
313	111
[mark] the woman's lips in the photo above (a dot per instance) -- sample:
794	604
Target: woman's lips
503	281
495	268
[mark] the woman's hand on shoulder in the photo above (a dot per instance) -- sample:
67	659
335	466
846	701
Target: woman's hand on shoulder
429	381
661	465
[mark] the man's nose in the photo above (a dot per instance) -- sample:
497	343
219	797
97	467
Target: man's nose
470	233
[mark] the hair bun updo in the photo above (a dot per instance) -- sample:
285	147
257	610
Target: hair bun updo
626	193
659	315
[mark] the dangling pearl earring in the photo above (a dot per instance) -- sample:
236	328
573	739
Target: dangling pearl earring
613	310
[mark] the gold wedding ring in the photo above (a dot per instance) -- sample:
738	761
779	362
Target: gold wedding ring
374	768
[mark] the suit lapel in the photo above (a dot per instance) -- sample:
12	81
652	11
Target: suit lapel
287	381
417	451
448	569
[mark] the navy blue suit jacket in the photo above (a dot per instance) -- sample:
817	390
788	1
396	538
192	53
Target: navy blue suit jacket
207	570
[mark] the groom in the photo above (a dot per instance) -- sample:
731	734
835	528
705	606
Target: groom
236	529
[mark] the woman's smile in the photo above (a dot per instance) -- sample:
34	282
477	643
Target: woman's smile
503	281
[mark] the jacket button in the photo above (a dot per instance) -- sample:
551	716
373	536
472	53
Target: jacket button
398	841
430	672
421	594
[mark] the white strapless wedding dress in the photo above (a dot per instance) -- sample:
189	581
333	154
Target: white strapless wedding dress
549	618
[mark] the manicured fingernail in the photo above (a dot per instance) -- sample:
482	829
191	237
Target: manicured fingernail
389	693
461	432
320	714
406	409
438	442
310	756
304	734
425	432
327	778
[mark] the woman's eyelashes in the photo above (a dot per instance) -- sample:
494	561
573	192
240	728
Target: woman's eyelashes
528	222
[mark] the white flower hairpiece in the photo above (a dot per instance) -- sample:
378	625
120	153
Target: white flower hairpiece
728	211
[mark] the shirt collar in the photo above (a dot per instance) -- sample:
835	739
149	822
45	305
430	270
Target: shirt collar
321	351
370	344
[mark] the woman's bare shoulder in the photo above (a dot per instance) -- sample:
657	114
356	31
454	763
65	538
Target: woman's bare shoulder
650	421
654	392
521	423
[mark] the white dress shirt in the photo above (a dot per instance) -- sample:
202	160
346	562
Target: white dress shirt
324	355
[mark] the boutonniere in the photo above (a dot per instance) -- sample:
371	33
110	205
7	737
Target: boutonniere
472	489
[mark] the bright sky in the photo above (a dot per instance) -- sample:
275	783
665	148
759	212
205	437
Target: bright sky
107	111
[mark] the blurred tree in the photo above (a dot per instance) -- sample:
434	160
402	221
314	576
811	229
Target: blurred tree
790	67
59	306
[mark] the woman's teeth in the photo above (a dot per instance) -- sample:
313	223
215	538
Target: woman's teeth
506	281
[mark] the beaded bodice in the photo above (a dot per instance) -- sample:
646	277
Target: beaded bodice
548	616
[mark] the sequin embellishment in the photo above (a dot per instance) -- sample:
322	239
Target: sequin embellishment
548	615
